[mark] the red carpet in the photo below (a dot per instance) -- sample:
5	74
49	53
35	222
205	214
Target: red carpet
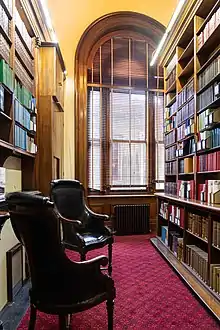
149	295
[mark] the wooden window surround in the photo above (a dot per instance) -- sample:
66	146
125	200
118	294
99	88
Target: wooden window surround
127	27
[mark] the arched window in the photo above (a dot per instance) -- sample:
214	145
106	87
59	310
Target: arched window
123	117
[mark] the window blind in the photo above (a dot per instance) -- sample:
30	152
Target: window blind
118	114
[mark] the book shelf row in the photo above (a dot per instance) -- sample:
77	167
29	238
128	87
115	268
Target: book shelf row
187	235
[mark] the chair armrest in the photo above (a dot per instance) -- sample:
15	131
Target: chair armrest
97	261
103	217
78	223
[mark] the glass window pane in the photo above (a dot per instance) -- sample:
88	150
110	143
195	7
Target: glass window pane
120	163
120	115
138	164
138	116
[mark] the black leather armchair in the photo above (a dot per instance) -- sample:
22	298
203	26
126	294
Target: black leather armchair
59	286
83	230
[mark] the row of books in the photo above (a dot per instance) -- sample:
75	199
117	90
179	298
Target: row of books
23	141
172	77
163	211
208	118
186	93
170	124
186	147
23	30
9	4
170	138
186	165
164	234
176	215
185	112
209	28
170	188
6	75
209	191
209	73
28	61
216	234
176	244
24	96
215	277
4	21
171	65
23	76
170	98
4	49
197	259
23	117
208	162
208	139
186	129
198	225
210	95
186	189
170	153
2	183
171	168
170	110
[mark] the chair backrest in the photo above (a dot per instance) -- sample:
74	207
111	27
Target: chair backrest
36	225
68	196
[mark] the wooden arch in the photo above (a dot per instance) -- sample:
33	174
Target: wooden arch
98	30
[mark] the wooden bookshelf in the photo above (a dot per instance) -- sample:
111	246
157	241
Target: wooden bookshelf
51	116
23	30
192	172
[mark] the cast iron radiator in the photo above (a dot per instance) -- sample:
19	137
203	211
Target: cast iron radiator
131	219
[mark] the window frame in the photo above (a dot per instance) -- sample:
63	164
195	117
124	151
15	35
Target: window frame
111	24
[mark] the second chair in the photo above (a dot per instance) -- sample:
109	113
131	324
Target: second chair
83	230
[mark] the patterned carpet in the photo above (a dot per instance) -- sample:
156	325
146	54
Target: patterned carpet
149	294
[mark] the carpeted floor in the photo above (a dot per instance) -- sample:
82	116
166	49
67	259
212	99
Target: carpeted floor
149	294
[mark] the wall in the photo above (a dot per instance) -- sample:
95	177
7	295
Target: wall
78	16
8	239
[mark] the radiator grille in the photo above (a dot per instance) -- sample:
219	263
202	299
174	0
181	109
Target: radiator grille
131	219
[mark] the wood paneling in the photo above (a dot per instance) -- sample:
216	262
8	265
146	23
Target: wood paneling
105	204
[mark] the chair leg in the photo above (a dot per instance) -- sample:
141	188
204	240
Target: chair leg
33	314
83	256
110	259
110	310
65	322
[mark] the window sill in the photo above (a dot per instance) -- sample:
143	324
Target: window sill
121	196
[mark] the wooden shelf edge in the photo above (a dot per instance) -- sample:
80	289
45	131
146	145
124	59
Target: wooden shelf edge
184	54
212	105
188	277
210	83
192	202
205	47
31	75
171	102
171	88
24	43
6	9
213	10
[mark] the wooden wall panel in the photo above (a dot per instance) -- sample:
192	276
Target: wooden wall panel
105	204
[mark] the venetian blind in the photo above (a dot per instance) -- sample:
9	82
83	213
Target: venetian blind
117	115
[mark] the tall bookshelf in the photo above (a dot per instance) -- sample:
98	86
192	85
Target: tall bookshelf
17	90
23	37
188	225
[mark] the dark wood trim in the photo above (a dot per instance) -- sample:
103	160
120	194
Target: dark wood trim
214	208
109	24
